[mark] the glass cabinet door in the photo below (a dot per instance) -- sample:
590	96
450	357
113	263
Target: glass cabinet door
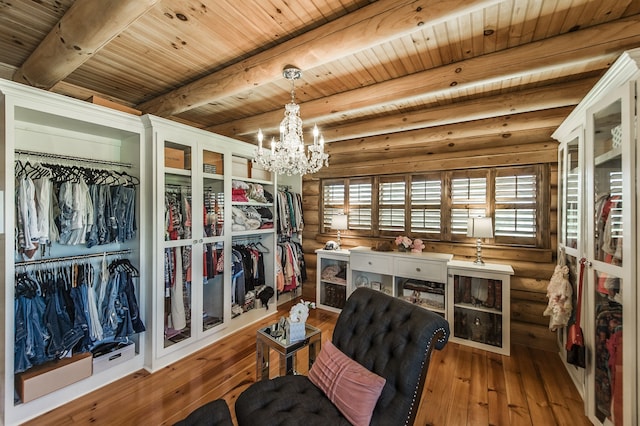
332	281
608	237
178	245
477	312
213	248
569	187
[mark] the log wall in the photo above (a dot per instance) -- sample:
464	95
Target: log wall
533	267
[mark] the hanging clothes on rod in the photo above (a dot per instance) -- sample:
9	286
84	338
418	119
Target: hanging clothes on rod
248	274
59	310
177	201
72	205
291	269
290	214
177	284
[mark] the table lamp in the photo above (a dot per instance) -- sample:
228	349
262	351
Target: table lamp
339	223
479	227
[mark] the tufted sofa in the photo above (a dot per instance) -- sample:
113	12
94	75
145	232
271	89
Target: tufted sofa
386	335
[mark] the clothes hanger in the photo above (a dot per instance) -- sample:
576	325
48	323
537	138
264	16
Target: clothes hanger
264	248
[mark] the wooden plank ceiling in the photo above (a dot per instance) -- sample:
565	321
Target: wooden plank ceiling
377	75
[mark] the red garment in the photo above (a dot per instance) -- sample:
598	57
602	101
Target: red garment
239	194
614	347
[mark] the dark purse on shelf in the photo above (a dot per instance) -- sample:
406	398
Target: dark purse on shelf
575	341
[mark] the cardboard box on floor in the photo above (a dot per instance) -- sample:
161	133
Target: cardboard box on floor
46	378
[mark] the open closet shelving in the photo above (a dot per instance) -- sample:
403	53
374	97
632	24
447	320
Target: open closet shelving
162	158
39	128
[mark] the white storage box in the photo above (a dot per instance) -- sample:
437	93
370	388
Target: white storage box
296	331
113	358
240	167
258	172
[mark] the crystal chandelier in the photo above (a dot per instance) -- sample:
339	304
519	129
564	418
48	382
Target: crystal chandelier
287	155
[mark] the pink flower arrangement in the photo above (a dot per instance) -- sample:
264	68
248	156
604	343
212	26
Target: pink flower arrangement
417	246
405	243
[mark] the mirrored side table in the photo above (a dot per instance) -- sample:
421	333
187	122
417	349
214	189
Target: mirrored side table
273	337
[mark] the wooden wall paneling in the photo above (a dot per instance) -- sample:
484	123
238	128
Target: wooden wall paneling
426	163
528	311
531	285
533	336
430	149
537	297
439	143
518	132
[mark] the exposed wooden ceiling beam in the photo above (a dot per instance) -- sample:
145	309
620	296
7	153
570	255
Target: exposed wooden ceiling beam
542	152
450	135
539	98
515	141
593	47
83	30
369	26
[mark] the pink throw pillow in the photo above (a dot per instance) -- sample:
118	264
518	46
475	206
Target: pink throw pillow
353	389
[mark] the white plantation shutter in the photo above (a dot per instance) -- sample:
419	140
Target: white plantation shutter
571	221
469	190
333	197
426	199
360	199
391	205
437	205
615	185
515	212
468	199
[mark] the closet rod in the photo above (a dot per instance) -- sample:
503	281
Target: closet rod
69	258
71	158
240	239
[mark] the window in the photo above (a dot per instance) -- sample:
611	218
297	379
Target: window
468	199
426	199
391	204
333	196
437	205
360	208
352	197
515	205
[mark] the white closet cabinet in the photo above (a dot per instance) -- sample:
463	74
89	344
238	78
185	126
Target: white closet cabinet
479	305
70	132
420	278
194	299
333	277
598	222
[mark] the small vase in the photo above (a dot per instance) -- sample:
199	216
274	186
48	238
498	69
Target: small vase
402	248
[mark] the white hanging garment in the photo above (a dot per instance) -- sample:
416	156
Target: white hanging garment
178	317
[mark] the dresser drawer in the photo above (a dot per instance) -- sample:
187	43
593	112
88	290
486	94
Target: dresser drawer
426	270
372	263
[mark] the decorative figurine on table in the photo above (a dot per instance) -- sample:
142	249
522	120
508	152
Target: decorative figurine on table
295	324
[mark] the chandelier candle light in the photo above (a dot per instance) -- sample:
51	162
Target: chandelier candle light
287	155
479	227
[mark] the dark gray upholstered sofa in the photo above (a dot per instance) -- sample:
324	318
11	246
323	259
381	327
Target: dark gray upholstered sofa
214	413
388	336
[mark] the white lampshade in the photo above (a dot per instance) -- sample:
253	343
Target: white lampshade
479	227
339	222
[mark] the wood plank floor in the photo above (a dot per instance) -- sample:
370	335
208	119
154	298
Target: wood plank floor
465	386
